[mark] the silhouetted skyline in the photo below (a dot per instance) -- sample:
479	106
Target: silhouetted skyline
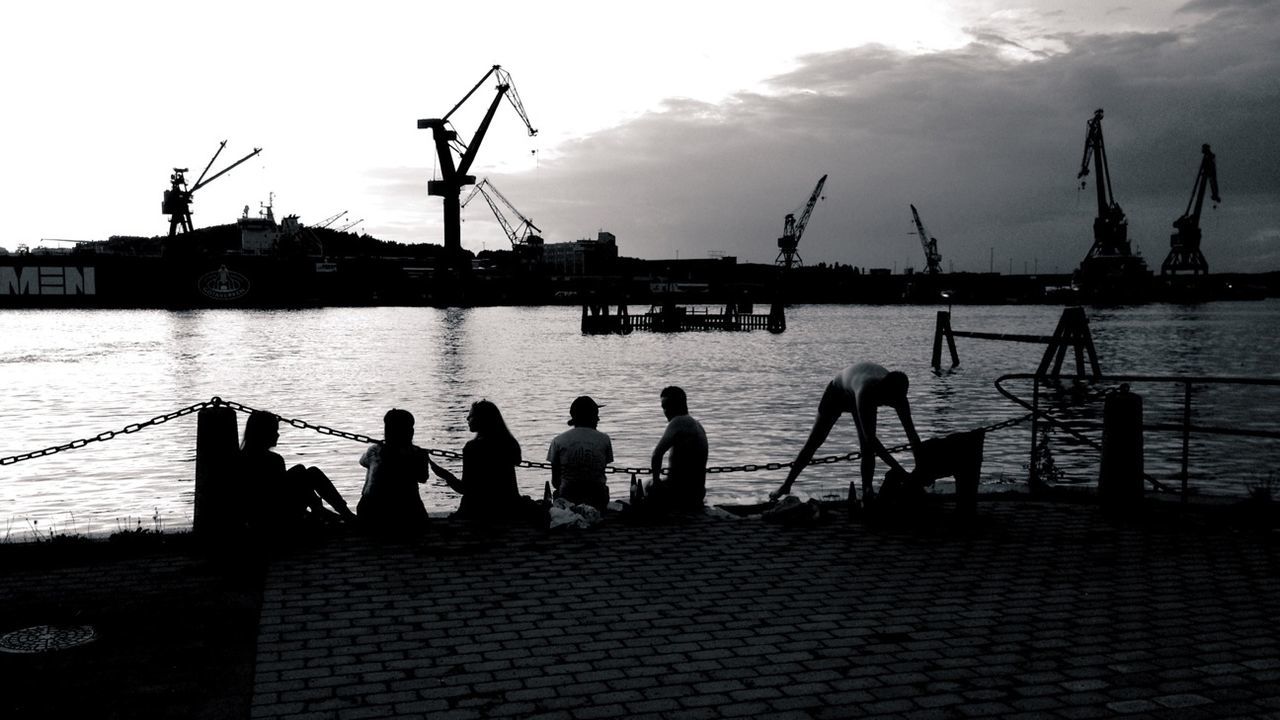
973	111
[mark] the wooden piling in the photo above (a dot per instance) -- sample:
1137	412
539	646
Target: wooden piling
943	329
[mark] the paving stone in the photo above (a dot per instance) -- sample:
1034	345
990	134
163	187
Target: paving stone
1035	609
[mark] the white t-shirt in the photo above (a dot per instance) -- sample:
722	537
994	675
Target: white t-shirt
582	454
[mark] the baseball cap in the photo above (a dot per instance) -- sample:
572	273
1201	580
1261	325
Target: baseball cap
583	408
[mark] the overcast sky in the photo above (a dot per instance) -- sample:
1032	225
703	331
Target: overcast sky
684	128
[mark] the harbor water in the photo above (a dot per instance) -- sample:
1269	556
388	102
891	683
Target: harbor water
68	375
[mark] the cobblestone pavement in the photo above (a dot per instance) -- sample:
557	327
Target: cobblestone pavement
1034	610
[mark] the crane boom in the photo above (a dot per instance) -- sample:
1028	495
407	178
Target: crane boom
518	234
1184	244
808	208
793	229
932	258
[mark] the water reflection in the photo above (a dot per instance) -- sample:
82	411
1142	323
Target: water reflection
75	374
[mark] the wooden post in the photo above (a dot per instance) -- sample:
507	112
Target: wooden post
942	328
216	450
936	360
1120	477
777	319
1072	331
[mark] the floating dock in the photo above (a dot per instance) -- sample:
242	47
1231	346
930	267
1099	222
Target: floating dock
596	319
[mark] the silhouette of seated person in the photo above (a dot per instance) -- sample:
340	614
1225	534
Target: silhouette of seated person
580	456
488	483
685	485
394	468
287	499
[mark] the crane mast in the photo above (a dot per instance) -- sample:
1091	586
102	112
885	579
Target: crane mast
454	175
1184	244
793	229
932	258
1110	227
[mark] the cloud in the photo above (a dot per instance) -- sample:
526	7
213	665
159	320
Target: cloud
986	143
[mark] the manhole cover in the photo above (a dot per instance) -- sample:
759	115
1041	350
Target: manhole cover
46	638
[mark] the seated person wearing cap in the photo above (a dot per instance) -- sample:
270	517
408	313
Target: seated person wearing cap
579	456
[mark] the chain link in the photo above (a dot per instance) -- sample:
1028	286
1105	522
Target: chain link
109	434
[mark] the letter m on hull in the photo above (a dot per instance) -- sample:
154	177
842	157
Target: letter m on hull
48	280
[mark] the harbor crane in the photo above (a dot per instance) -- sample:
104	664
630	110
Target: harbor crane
932	258
350	225
330	220
454	175
1110	227
522	233
177	199
1184	245
792	229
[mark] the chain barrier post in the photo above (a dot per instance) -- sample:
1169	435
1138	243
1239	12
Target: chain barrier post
968	448
1120	477
216	447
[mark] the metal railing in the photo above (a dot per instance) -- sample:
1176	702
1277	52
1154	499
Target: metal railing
1186	428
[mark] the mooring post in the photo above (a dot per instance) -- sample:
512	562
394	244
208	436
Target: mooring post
968	448
1120	477
777	319
216	449
937	339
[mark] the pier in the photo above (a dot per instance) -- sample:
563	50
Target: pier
596	319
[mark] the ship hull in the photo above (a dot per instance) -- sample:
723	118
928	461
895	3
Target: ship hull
105	281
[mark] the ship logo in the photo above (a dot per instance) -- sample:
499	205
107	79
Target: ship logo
223	284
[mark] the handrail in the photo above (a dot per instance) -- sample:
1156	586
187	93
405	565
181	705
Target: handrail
1186	427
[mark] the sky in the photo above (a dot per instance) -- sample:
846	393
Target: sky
686	129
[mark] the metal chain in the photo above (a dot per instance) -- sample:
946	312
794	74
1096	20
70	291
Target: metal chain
108	435
325	430
304	425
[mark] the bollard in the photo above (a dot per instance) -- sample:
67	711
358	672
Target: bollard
968	470
216	449
1120	478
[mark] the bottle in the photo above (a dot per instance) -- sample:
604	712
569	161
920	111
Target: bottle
853	499
546	493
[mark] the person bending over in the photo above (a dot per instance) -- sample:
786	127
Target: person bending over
859	389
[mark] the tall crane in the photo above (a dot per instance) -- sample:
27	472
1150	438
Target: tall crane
792	229
523	233
932	258
453	176
177	199
1110	227
1184	250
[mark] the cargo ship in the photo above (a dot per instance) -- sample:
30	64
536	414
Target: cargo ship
256	262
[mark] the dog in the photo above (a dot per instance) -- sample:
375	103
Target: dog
958	455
